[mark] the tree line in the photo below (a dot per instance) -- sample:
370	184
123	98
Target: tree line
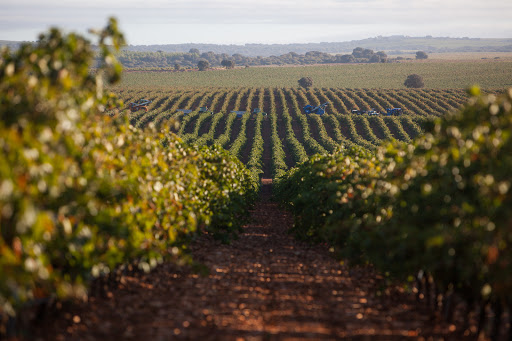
398	44
195	58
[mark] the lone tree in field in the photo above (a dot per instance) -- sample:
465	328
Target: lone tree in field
421	55
203	65
414	81
228	64
177	67
305	82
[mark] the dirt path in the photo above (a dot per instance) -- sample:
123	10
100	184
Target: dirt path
264	286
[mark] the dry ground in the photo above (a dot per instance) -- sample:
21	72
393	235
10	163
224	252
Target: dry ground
263	286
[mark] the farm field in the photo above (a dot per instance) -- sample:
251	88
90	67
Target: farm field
286	136
488	74
265	285
210	206
457	56
249	274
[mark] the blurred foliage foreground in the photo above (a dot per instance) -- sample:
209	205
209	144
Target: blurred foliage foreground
80	193
440	206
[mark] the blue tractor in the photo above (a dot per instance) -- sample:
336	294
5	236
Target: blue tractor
185	111
258	111
319	110
203	110
238	113
141	104
393	111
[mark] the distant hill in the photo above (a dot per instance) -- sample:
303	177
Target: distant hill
392	45
10	44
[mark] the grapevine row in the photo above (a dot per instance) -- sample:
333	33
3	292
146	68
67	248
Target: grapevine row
303	135
434	212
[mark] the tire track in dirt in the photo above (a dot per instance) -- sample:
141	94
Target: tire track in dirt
360	131
313	128
328	128
221	127
235	130
249	134
408	129
393	129
297	130
191	124
205	126
376	129
266	132
281	129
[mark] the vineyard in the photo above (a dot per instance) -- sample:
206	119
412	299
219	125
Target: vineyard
73	215
145	224
373	187
436	75
438	207
271	144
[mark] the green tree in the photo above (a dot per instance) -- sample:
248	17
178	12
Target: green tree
414	81
47	91
305	82
228	64
358	52
67	198
367	53
421	55
346	58
203	65
383	56
375	59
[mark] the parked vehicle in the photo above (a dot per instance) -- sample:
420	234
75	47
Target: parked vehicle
141	104
393	111
319	110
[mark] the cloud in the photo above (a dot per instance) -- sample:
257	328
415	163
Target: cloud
328	18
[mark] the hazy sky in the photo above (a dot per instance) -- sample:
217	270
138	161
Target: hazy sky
260	21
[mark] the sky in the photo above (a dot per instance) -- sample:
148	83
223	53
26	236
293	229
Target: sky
259	21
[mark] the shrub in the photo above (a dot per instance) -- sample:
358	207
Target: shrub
421	55
375	58
80	193
203	65
440	205
414	81
228	64
346	58
305	82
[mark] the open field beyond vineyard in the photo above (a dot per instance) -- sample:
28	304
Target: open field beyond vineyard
458	56
276	142
436	75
